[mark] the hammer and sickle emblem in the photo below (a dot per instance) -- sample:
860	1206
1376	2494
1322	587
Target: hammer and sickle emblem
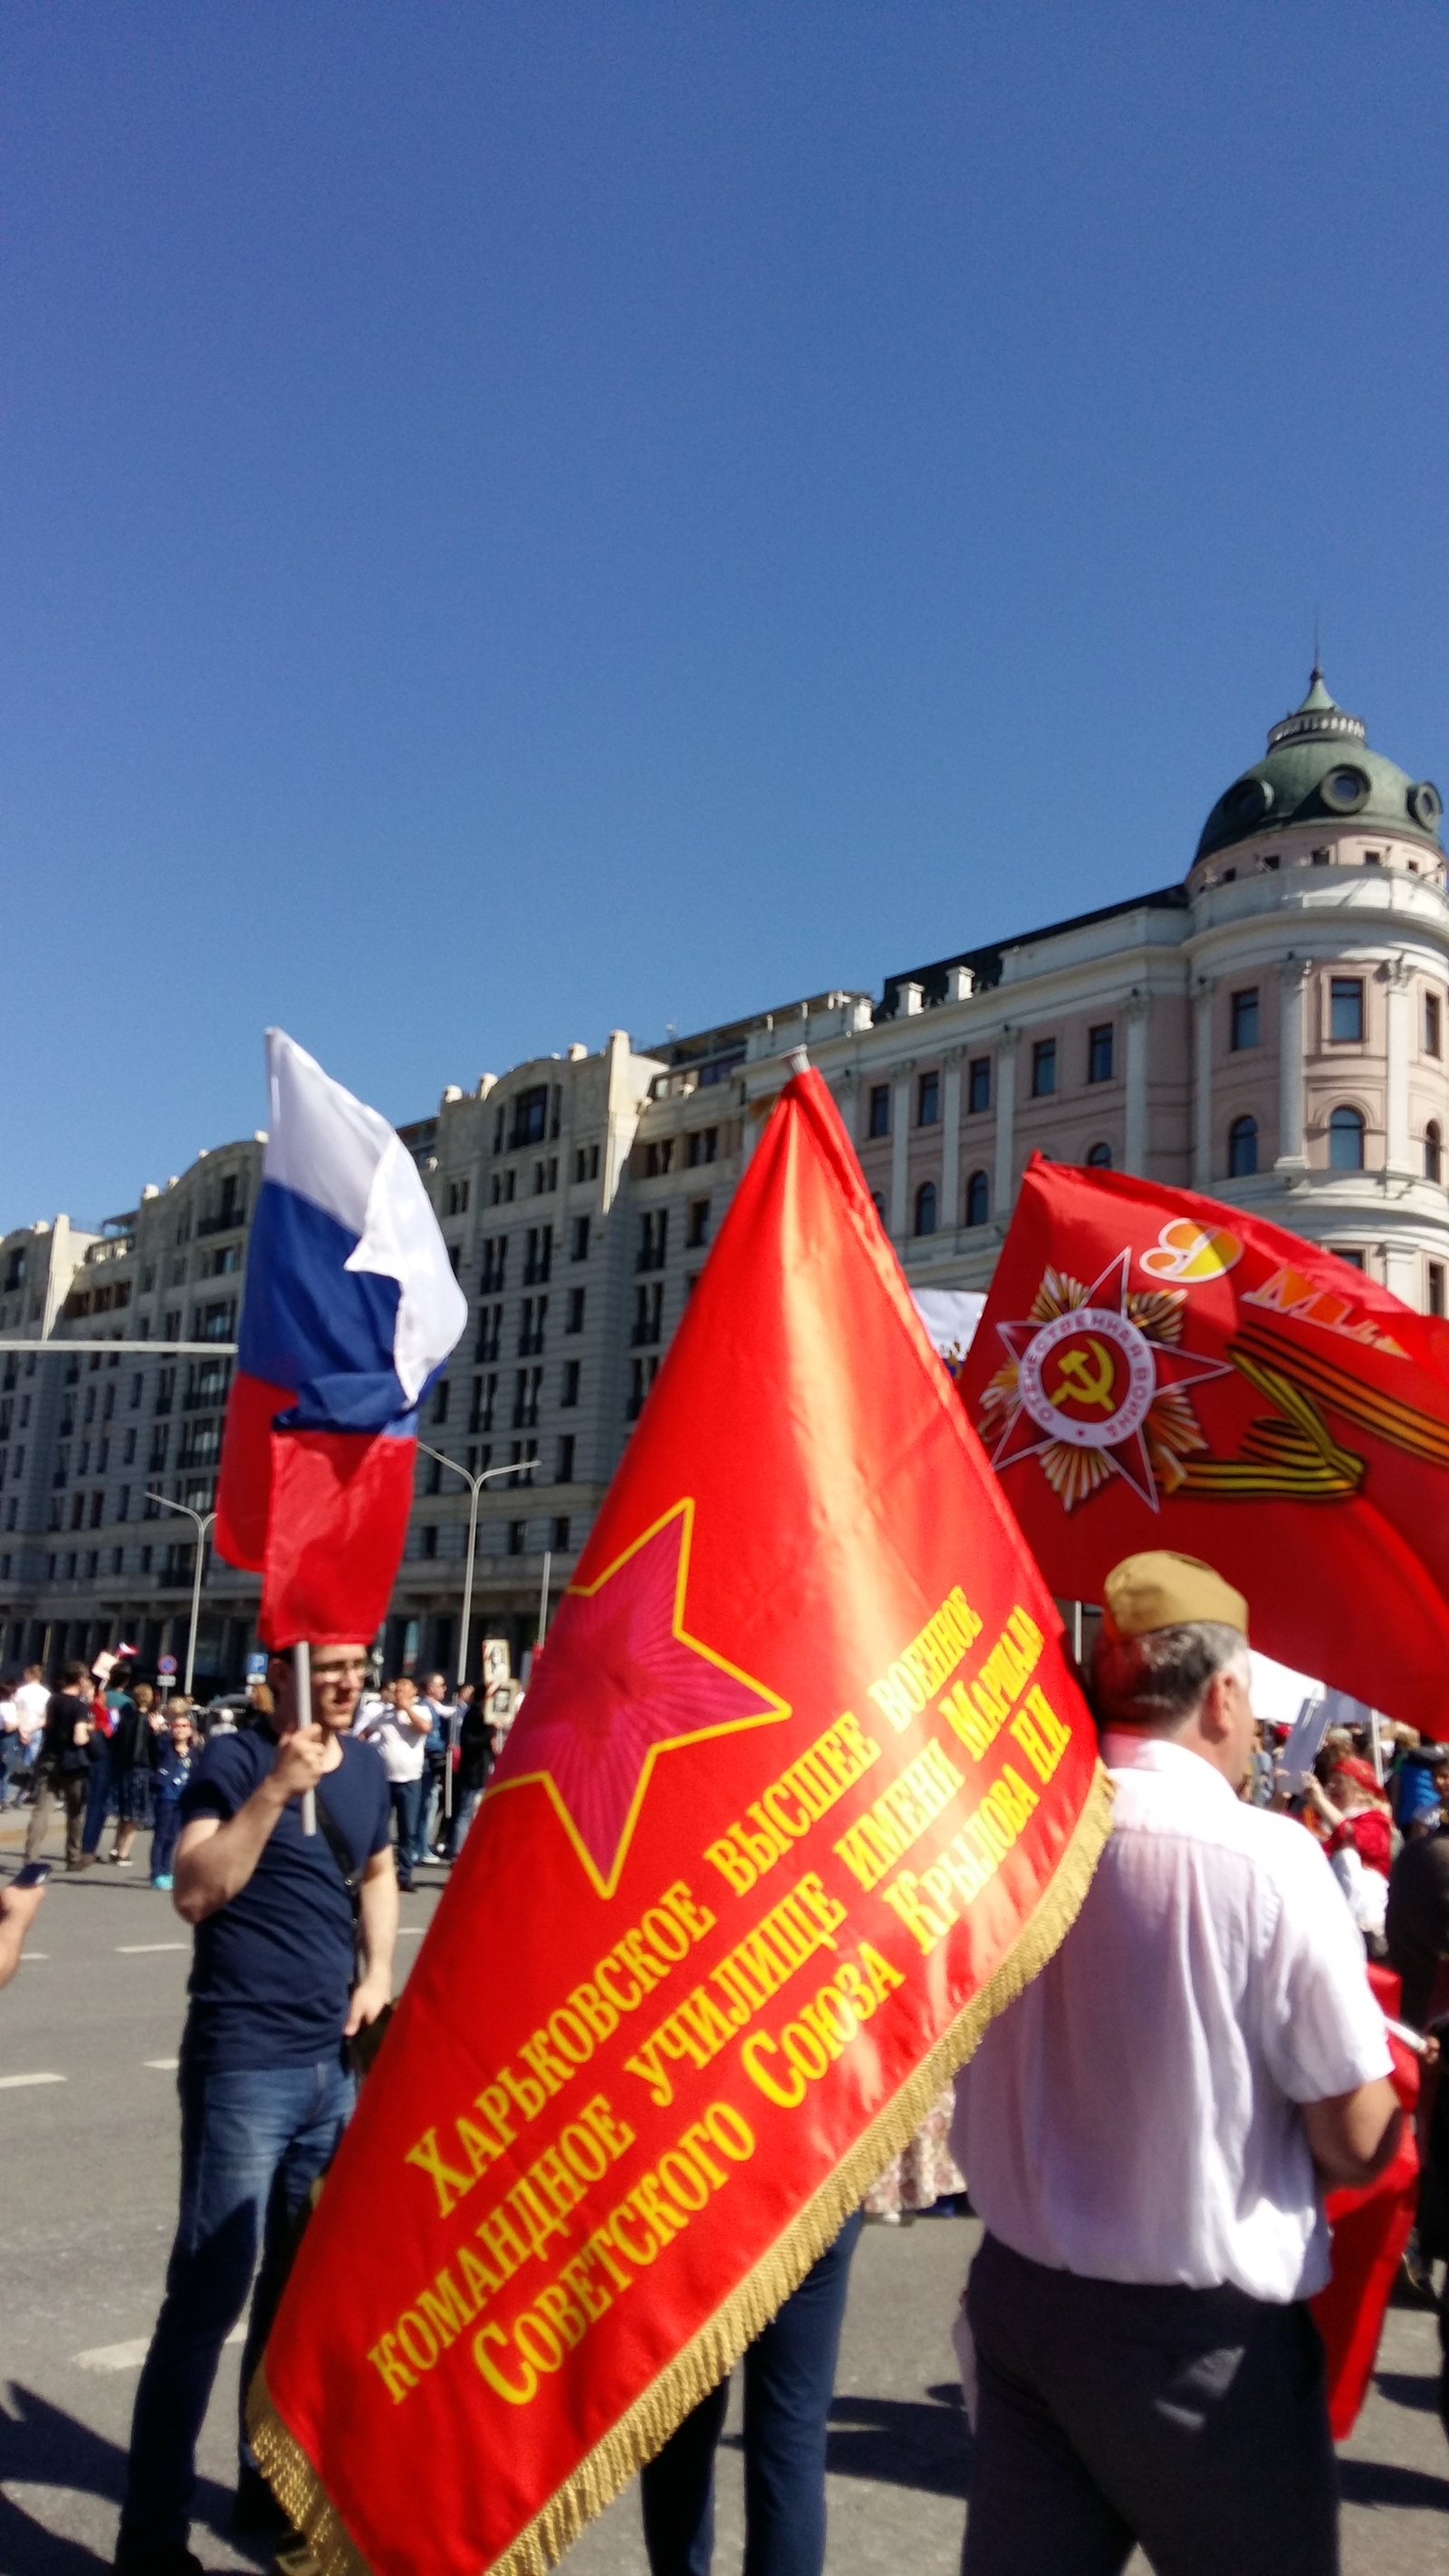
1080	1383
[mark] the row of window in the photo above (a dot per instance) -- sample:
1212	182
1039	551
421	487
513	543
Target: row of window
1346	1131
560	1538
1346	1016
701	1145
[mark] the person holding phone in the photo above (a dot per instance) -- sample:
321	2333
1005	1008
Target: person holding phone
266	2091
19	1905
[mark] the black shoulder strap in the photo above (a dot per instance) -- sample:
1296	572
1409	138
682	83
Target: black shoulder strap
351	1878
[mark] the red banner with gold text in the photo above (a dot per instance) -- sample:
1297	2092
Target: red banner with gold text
801	1795
1155	1369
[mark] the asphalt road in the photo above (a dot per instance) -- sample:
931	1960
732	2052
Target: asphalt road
89	2160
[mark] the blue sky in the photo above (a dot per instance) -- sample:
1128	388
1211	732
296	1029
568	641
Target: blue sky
522	520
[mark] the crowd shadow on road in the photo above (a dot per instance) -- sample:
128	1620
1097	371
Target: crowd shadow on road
903	2442
1380	2482
42	2446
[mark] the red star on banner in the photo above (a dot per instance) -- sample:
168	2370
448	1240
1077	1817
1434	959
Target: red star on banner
619	1683
1109	1374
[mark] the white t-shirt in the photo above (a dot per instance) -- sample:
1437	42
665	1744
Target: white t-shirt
32	1700
1133	2115
401	1745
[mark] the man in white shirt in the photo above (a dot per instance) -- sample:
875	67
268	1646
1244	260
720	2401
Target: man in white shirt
400	1732
1145	2132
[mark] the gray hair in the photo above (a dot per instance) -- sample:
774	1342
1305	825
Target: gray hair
1158	1679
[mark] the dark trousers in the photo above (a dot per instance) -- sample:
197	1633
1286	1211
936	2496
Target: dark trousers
1193	2421
789	2379
164	1836
253	2141
72	1788
104	1781
407	1806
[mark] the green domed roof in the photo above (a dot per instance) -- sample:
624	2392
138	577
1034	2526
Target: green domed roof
1319	769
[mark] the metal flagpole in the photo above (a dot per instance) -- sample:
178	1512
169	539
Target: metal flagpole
302	1670
202	1522
543	1594
475	1479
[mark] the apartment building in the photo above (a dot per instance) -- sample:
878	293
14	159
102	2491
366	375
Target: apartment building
1269	1026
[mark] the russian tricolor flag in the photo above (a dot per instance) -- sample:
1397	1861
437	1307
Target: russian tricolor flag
350	1311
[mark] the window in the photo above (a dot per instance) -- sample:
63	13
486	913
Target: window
495	1256
1433	1024
1242	1148
527	1388
1099	1053
926	1208
517	1532
564	1474
128	1451
880	1109
1321	858
698	1224
561	1533
877	1201
703	1146
530	1117
428	1539
573	1370
579	1241
171	1324
123	1504
77	1511
538	1255
1345	1010
586	1163
485	1395
1433	1152
1373	858
658	1157
146	1558
216	1323
98	1510
136	1384
531	1322
648	1313
1043	1068
1099	1158
490	1330
653	1239
504	1185
1345	1141
574	1320
165	1391
978	1083
1245	1019
928	1100
1436	1287
457	1199
1354	1259
642	1374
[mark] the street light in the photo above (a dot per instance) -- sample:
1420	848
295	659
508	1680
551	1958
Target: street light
475	1479
203	1521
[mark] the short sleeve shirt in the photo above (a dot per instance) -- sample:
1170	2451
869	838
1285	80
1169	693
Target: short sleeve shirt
1134	2116
272	1970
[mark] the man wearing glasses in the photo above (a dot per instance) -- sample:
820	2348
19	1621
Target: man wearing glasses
276	1994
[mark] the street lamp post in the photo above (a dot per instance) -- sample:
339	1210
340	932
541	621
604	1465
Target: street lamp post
475	1479
203	1521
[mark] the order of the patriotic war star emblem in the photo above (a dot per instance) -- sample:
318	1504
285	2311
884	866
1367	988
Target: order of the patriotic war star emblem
1095	1385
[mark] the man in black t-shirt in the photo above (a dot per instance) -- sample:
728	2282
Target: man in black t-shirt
265	2089
63	1765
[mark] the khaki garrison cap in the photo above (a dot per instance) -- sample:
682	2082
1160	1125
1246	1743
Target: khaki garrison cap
1159	1589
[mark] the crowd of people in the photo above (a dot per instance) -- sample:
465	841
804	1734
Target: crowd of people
1150	2180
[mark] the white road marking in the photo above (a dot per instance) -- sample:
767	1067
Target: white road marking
129	2356
9	2081
28	1957
411	1931
162	2065
137	1949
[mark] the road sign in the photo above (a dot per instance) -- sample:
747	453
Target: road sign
257	1664
166	1664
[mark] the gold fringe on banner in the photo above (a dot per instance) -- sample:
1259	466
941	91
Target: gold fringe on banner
713	2352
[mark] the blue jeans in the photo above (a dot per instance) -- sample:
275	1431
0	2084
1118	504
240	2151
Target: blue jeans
253	2141
407	1806
103	1781
164	1836
789	2380
12	1757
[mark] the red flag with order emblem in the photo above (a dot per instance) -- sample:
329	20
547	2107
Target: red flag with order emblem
802	1794
1154	1369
